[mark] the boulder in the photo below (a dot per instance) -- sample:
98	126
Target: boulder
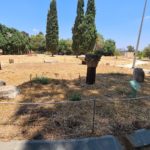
2	83
8	92
139	74
11	61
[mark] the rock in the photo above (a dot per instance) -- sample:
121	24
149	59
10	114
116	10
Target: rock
139	74
102	143
107	64
2	83
8	92
82	57
50	61
11	61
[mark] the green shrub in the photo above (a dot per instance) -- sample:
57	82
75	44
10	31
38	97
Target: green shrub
41	80
75	97
140	55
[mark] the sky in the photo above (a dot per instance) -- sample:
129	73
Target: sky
116	19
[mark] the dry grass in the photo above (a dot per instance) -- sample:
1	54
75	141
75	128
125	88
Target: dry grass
145	66
72	120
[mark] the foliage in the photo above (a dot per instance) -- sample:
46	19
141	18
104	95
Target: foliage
38	42
130	48
90	33
99	42
75	97
140	55
117	53
109	48
78	29
106	47
65	47
52	33
147	52
41	80
13	42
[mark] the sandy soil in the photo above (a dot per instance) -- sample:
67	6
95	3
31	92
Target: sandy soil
70	120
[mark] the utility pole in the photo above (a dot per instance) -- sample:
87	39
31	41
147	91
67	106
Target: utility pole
139	36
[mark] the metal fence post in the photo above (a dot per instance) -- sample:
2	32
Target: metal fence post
94	112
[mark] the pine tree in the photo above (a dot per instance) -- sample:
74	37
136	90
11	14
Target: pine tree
90	33
52	33
78	29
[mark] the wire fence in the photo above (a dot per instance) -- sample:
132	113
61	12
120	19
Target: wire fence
69	119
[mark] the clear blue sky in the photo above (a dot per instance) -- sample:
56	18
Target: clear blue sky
116	19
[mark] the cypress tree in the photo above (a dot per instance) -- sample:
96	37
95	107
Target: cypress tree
90	33
78	29
52	33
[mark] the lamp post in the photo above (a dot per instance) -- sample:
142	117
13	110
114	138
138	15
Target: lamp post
139	36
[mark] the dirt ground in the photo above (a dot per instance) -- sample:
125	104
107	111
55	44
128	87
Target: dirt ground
114	114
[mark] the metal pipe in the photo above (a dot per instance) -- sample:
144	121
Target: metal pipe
139	36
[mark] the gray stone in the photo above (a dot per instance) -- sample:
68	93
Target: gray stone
102	143
82	57
50	61
139	138
2	83
33	145
8	92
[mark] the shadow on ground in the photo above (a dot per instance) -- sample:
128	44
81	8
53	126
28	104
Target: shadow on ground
74	120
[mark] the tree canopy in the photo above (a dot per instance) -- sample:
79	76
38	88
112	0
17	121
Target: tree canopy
90	33
65	47
78	29
13	42
109	47
147	52
52	33
38	42
130	48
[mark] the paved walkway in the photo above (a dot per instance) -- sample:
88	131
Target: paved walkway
102	143
138	62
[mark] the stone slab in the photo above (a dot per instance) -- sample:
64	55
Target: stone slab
50	61
140	138
2	83
82	57
102	143
8	92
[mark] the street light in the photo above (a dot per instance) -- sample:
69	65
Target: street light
139	36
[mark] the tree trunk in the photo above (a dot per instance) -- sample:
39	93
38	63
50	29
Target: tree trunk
91	75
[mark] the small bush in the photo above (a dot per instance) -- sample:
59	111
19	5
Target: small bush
41	80
75	97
